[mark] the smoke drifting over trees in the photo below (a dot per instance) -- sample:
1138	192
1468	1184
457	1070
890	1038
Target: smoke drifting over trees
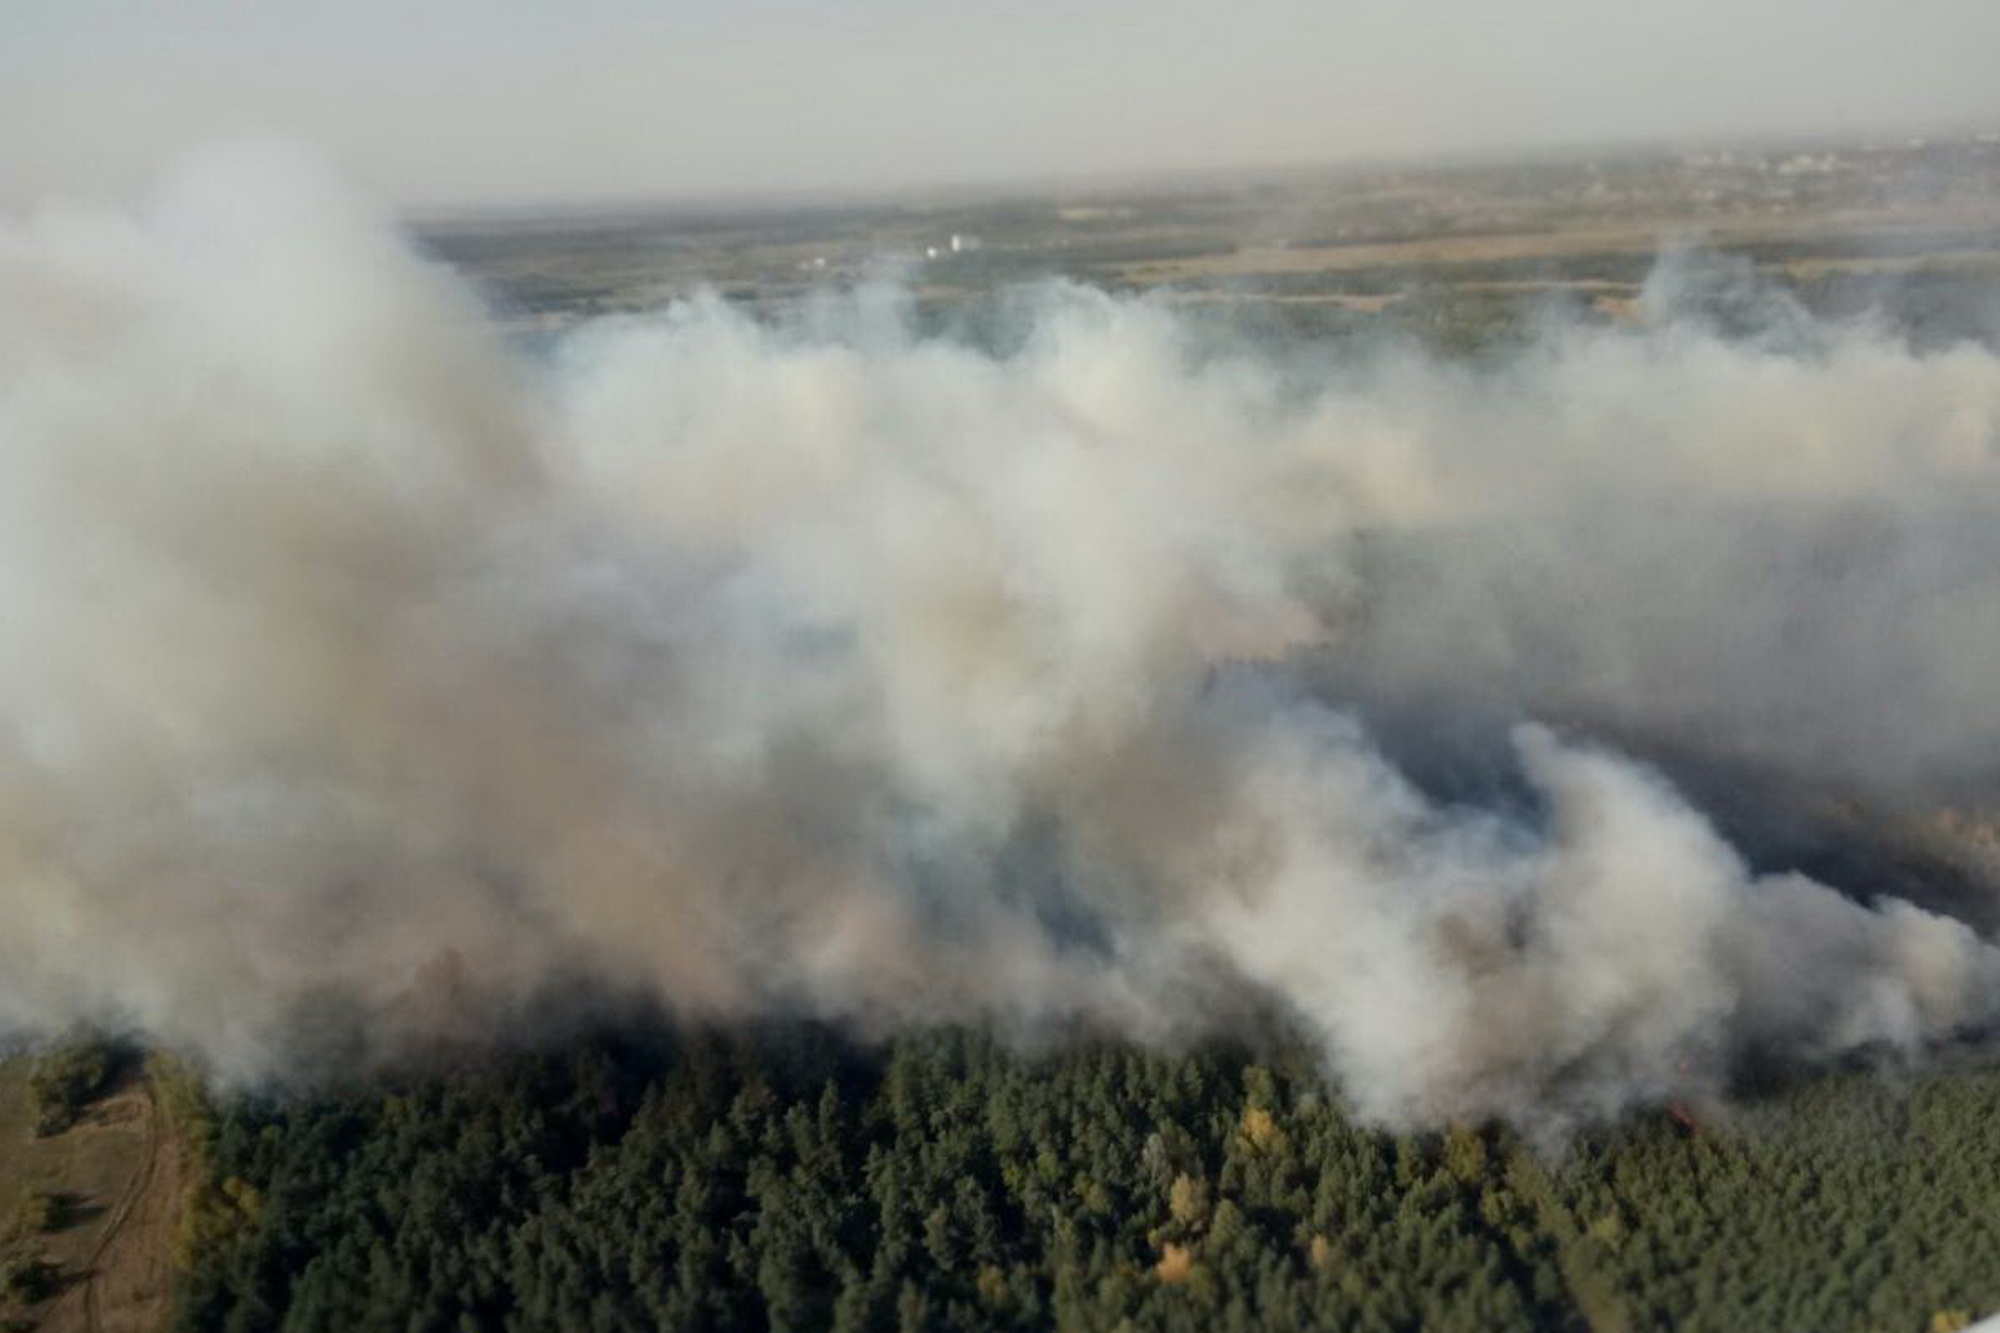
358	666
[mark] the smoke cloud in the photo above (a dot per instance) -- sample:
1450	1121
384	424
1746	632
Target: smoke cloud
356	663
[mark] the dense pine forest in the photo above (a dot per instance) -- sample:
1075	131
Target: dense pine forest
788	1179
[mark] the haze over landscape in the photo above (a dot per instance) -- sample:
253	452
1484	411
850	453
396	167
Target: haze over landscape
525	101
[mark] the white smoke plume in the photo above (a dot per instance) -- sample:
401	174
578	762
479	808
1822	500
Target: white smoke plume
814	666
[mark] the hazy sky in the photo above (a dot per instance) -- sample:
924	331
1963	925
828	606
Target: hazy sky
457	100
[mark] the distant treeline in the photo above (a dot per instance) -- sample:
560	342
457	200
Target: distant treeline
786	1179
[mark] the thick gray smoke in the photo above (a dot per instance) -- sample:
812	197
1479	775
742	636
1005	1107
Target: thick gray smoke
352	659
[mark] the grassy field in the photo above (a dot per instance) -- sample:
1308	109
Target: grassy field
114	1177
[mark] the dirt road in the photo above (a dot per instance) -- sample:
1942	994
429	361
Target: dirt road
124	1281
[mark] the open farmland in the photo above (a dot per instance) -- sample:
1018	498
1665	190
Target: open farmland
1451	253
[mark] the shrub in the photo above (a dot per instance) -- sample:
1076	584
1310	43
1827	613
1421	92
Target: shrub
66	1080
27	1278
